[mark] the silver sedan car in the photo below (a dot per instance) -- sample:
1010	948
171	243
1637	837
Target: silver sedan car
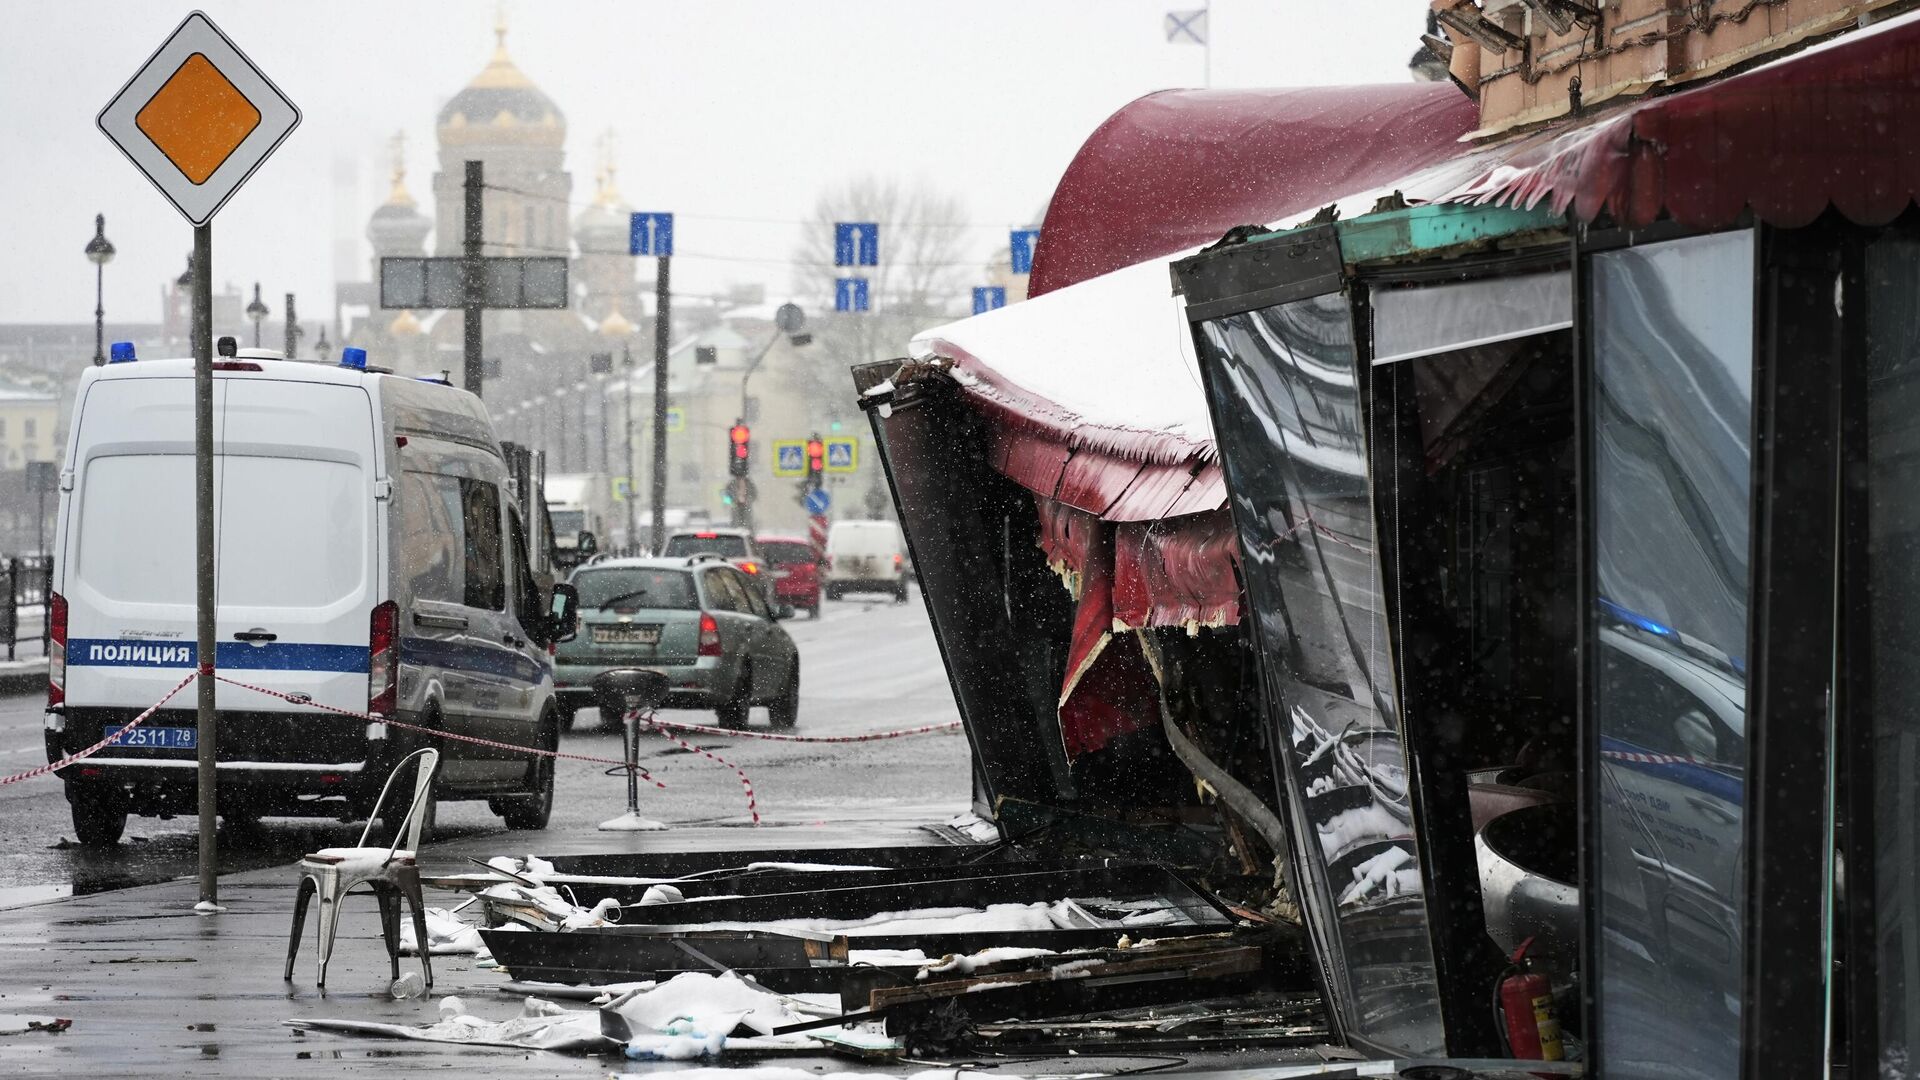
698	621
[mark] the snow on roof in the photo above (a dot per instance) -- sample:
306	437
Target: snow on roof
1112	355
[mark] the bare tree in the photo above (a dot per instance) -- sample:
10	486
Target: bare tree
921	280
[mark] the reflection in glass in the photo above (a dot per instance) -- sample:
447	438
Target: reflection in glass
1287	420
1672	413
1893	635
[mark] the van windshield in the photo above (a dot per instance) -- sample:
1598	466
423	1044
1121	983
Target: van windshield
636	588
568	522
725	545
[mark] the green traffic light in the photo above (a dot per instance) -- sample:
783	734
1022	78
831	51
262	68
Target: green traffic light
835	426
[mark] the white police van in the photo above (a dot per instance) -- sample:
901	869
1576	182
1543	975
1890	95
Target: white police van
368	558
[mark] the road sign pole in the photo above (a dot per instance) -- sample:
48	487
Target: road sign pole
633	511
473	283
662	327
205	733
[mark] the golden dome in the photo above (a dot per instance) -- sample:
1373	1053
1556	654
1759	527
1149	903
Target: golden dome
615	325
404	324
502	97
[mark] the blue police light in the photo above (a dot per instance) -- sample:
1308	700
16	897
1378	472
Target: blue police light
1634	618
122	353
351	357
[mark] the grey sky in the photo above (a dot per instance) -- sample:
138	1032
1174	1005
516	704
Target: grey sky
724	109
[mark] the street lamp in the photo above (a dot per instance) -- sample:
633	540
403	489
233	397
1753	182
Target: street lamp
322	347
257	311
100	253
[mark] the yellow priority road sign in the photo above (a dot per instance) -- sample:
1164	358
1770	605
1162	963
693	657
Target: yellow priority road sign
198	118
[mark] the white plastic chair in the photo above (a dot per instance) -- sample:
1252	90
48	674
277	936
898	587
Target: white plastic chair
389	872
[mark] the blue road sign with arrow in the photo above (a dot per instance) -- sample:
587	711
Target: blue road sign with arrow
817	501
988	297
850	294
650	234
856	243
1023	241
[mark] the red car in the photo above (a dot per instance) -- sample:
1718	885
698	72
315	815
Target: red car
796	576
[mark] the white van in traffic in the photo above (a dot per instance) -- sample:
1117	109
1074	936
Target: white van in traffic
866	556
368	559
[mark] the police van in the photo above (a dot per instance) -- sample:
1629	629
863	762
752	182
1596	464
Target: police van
369	558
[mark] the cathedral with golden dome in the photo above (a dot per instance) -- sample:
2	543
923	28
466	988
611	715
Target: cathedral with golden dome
504	120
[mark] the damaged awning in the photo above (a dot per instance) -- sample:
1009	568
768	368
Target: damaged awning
1175	169
1837	124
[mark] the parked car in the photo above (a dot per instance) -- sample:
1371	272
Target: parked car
361	510
866	556
796	571
699	620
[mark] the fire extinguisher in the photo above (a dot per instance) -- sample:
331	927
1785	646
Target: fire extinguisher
1526	1001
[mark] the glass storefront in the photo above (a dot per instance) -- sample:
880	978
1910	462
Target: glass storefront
1287	416
1892	654
1672	417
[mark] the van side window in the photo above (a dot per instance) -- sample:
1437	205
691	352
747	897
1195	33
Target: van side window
432	536
486	584
527	601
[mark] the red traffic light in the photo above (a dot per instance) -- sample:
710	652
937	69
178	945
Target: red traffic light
816	455
739	434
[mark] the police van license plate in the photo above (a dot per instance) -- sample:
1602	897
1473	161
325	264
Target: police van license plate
626	635
160	738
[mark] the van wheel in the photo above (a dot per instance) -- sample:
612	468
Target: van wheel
785	710
733	712
532	811
98	818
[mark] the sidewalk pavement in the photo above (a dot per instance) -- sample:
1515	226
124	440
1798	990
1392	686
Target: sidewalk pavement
154	989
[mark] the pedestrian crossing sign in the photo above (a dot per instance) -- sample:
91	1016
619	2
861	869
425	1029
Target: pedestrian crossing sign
843	455
676	420
789	457
622	488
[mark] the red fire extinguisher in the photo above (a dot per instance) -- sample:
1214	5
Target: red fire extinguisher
1526	1000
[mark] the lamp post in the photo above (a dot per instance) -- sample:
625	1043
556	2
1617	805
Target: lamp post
558	452
257	311
322	347
100	253
580	388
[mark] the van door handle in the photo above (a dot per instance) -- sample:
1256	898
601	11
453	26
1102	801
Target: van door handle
255	635
444	622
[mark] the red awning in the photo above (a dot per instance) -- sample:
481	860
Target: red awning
1176	169
1836	125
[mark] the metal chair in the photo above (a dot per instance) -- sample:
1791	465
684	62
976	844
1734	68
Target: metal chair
389	872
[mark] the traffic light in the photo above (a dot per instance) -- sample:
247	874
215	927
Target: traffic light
816	457
739	445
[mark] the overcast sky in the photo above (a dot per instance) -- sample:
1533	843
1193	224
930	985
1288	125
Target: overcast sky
725	110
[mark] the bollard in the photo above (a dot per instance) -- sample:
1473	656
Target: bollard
632	726
628	691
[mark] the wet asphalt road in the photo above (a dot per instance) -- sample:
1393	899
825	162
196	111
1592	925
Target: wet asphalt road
868	665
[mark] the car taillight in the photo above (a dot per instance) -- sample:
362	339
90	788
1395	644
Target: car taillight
896	560
383	640
750	567
56	649
709	635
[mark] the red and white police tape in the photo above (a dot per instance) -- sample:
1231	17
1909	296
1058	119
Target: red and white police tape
753	807
82	755
736	733
437	733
